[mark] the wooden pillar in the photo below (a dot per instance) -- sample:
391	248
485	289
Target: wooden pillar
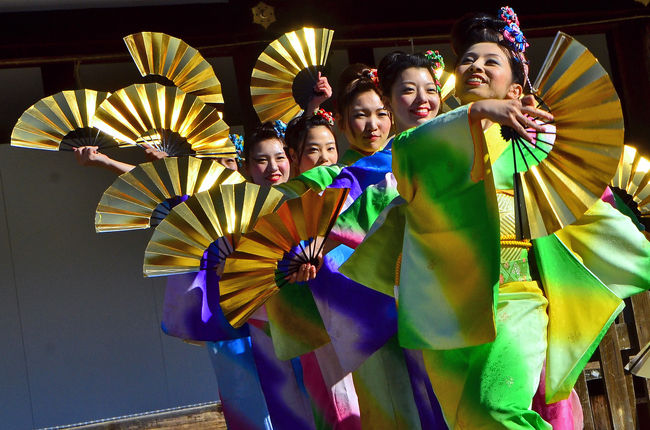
629	49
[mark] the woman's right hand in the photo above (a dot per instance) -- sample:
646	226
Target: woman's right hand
517	114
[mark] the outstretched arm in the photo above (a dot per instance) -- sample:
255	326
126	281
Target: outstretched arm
89	156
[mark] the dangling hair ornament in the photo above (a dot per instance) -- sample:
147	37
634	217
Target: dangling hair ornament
512	32
238	141
513	35
438	65
372	75
327	116
280	128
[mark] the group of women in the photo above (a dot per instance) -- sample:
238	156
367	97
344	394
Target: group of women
423	311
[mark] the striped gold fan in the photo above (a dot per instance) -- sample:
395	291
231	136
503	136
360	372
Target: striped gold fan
170	57
571	164
201	232
279	243
144	196
166	118
632	183
61	122
284	76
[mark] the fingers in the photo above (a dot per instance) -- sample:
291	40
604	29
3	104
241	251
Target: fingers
306	272
529	100
538	113
519	123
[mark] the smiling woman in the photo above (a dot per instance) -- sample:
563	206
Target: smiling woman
266	160
409	83
312	142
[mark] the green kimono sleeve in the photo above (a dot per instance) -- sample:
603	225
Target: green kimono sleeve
379	250
316	179
612	247
450	250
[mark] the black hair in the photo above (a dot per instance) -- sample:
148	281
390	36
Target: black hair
355	79
479	27
264	131
395	63
297	132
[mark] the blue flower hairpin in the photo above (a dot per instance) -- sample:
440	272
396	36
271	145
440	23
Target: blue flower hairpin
280	128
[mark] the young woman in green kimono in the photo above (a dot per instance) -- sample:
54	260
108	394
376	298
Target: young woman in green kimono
467	295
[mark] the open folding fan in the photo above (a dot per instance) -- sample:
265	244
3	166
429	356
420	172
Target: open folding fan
276	248
166	118
572	162
632	183
61	122
170	57
201	232
144	196
285	73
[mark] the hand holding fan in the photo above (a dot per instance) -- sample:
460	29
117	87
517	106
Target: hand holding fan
567	169
144	196
206	228
62	122
286	71
279	243
165	118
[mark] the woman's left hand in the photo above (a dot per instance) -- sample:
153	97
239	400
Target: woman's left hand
322	92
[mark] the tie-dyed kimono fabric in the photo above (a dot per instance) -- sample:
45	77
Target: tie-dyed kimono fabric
448	280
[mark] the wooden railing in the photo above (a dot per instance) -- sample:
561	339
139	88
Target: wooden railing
611	398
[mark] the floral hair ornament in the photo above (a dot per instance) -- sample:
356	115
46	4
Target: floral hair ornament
280	128
372	75
238	141
327	116
514	37
438	65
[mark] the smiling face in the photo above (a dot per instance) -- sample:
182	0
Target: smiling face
368	123
319	149
414	98
268	164
484	72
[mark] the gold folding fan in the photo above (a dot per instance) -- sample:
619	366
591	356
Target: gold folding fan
144	196
632	183
279	243
285	73
572	162
166	118
61	122
170	57
204	230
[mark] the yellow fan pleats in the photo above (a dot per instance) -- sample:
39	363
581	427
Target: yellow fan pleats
164	55
278	65
46	123
633	177
226	212
250	277
128	204
142	111
588	144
